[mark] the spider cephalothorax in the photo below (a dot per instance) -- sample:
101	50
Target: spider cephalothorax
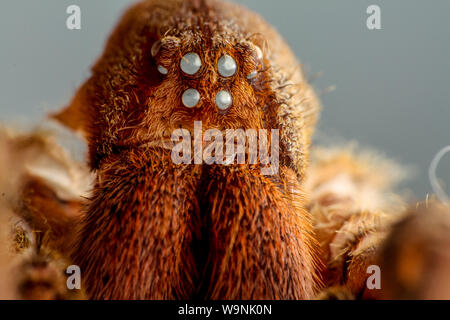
162	230
136	91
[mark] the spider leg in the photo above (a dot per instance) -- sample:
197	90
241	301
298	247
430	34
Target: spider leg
260	241
136	240
353	208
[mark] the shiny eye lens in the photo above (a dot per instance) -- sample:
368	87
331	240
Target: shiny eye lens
190	63
227	66
162	70
259	53
223	100
259	56
190	98
252	75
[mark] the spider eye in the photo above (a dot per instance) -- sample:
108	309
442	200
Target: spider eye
259	58
227	66
190	98
190	63
162	70
259	53
252	75
223	100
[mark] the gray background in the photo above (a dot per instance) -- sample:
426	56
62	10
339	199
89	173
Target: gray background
392	85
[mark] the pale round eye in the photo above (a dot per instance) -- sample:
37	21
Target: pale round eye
223	100
227	66
190	63
252	75
162	70
259	56
190	98
259	53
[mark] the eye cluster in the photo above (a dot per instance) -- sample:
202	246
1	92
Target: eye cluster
191	63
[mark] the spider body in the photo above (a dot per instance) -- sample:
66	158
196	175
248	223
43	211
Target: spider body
153	228
144	226
158	230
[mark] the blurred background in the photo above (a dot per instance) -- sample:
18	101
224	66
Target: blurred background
392	85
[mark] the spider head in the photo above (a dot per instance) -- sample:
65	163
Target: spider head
146	85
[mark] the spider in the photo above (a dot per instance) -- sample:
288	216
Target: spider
154	229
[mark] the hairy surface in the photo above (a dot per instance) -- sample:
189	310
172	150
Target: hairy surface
415	258
126	102
40	207
142	218
260	237
151	229
136	243
353	207
228	260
